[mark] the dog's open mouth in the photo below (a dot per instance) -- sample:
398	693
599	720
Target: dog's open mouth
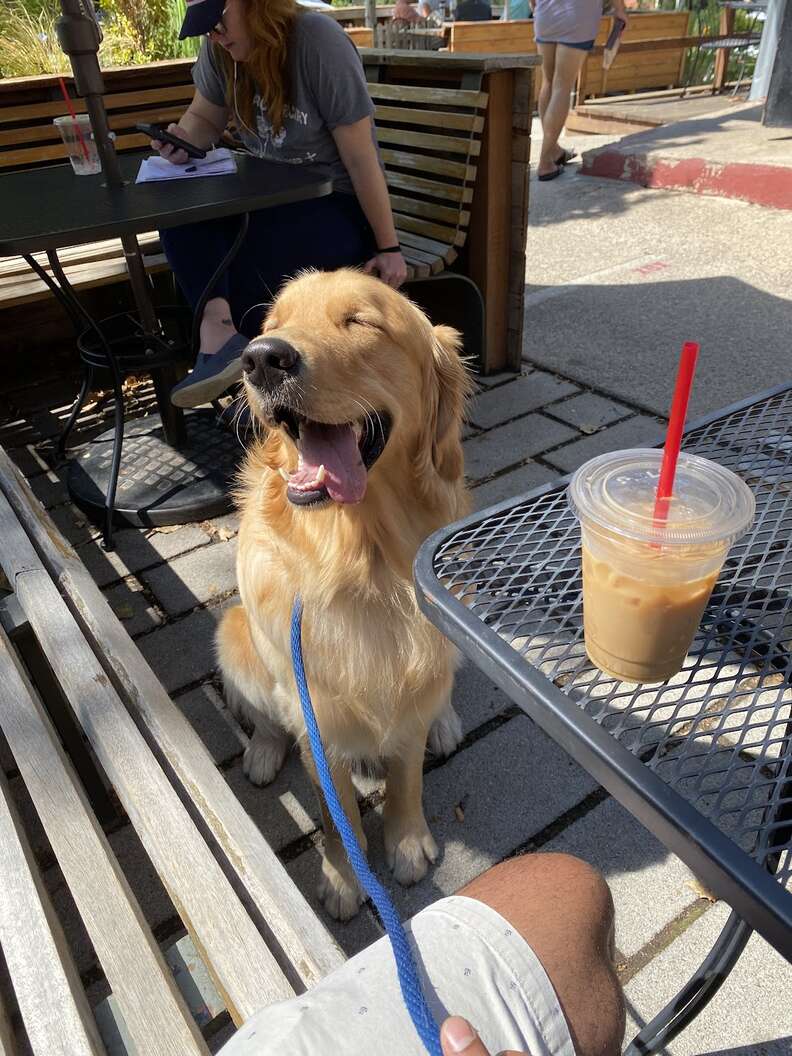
334	460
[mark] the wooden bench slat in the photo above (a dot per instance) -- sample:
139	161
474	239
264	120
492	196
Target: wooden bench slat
48	990
448	191
424	227
429	245
155	1014
302	936
429	141
431	211
112	101
409	93
89	251
423	163
415	253
243	968
416	269
48	132
18	290
429	118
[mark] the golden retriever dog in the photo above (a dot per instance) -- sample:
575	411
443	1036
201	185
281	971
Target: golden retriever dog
361	402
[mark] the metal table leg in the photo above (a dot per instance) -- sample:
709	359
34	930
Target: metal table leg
700	990
133	472
731	942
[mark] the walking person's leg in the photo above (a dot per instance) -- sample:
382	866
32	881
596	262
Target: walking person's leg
548	52
566	67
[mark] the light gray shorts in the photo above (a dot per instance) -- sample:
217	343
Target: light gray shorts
475	966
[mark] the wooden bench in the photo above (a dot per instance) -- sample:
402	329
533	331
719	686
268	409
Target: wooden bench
157	93
438	122
71	675
629	72
454	132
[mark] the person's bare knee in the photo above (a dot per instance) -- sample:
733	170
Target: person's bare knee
563	908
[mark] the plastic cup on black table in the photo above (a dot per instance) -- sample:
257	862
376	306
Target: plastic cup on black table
77	134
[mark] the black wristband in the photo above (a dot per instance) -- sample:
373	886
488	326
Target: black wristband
390	249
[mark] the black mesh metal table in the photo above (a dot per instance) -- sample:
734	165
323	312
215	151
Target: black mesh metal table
705	760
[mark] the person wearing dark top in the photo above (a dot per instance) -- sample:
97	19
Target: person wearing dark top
473	11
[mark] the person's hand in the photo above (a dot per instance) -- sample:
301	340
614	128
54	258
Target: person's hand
391	268
167	150
618	10
457	1036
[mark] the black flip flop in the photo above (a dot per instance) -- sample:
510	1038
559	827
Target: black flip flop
565	157
551	175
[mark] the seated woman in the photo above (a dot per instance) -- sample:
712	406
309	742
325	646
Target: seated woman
295	85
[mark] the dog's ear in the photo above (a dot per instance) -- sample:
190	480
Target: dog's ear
452	385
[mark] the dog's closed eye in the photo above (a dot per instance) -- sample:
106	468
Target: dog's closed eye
358	319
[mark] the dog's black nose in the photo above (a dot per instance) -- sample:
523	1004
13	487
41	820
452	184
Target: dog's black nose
267	359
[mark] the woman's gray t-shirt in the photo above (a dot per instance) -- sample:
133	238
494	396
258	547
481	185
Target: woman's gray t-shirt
328	89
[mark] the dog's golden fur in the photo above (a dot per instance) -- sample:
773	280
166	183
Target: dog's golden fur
379	673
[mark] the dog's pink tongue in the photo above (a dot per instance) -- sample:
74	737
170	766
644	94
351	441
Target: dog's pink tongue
336	448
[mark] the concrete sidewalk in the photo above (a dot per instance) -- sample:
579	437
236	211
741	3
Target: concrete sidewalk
617	277
728	154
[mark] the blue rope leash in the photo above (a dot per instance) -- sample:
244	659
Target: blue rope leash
405	964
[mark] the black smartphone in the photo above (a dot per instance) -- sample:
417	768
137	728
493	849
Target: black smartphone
158	132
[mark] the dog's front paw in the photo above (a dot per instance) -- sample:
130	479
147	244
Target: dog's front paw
264	757
445	733
410	855
340	897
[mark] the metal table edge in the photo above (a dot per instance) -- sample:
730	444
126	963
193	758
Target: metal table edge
731	873
137	226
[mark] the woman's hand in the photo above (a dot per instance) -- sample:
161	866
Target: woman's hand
618	10
457	1036
391	268
167	150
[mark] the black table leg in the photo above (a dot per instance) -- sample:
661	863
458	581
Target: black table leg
731	942
147	472
164	379
702	987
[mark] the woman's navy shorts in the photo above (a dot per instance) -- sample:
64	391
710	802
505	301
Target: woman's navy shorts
581	45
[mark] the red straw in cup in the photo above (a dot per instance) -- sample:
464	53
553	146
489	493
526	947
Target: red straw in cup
77	128
676	425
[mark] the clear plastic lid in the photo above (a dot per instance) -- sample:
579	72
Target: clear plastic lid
617	491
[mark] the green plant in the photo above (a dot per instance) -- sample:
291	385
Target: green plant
705	21
28	42
134	32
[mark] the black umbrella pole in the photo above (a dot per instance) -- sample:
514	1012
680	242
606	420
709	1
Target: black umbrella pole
79	36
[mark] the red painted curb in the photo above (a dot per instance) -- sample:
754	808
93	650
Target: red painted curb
768	185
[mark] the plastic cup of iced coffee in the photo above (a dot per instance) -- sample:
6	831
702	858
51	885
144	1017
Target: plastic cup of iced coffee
646	581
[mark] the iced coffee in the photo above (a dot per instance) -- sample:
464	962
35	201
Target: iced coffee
646	583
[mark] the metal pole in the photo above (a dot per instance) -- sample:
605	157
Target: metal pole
778	108
79	35
371	13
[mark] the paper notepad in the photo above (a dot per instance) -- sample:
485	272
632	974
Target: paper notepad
216	163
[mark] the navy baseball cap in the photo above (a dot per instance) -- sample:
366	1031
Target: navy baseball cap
202	16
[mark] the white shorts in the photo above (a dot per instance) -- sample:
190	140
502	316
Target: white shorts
477	966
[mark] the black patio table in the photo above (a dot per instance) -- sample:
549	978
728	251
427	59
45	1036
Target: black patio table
166	474
704	761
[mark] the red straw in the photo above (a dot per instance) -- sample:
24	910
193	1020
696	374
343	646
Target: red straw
676	425
74	118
